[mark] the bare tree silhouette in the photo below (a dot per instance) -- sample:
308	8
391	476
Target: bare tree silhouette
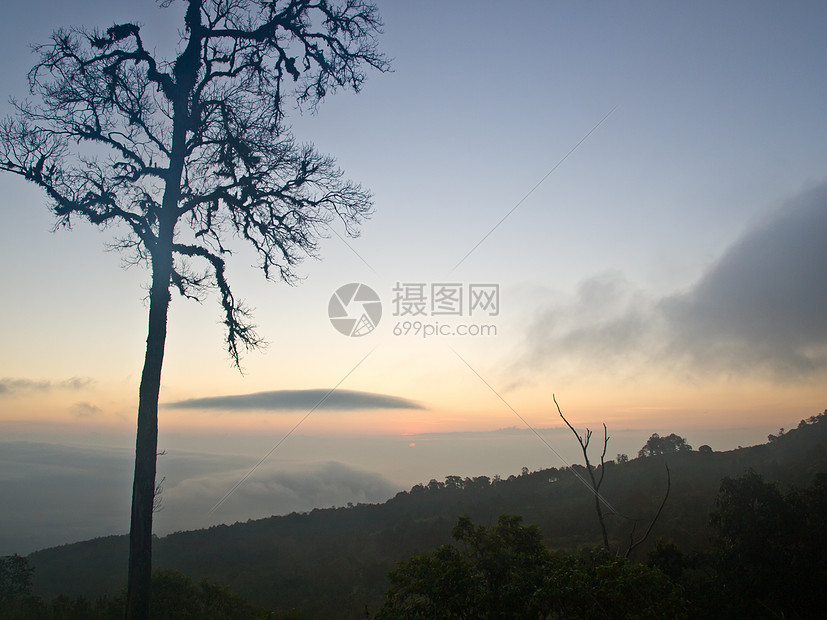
596	483
183	154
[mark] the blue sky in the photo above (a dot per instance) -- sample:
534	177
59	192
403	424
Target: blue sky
641	281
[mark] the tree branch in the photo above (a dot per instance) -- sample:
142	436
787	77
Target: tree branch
595	485
634	544
239	331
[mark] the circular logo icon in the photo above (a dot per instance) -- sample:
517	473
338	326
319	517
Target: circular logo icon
354	309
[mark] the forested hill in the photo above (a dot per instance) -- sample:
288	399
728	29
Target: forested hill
338	559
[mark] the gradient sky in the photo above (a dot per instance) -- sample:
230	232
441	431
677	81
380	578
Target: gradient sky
668	275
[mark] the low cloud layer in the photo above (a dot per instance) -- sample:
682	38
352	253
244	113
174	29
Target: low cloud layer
274	488
55	494
293	400
759	310
10	386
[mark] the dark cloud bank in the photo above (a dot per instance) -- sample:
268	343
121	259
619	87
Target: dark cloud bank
293	400
761	309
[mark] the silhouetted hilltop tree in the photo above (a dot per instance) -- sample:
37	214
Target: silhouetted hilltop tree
663	445
811	421
185	154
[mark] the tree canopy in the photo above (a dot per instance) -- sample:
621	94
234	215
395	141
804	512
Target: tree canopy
507	572
183	154
663	445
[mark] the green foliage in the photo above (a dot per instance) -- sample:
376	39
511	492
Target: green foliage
768	557
507	572
15	578
668	558
495	571
771	552
663	445
174	597
599	585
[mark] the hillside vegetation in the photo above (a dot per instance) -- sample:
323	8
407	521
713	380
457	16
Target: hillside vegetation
335	562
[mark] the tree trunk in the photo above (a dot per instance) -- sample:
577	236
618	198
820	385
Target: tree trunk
185	70
600	518
146	444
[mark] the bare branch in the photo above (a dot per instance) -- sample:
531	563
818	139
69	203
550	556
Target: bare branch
320	60
158	497
634	544
595	485
240	332
603	456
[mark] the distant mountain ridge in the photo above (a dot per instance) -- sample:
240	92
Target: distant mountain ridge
338	558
